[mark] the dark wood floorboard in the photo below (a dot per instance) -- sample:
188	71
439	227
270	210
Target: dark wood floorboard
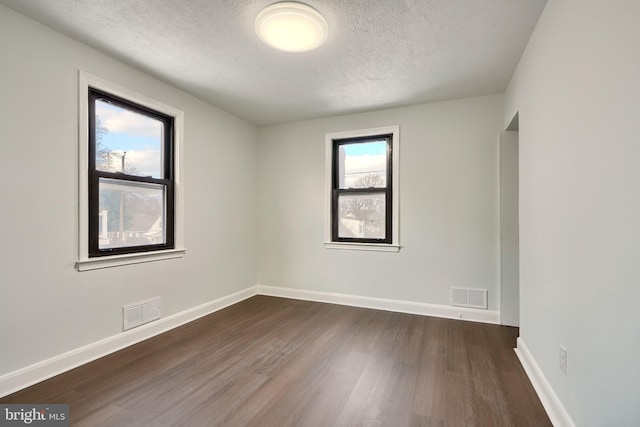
278	362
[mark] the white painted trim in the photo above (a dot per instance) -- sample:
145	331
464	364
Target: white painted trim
85	81
552	404
362	246
126	259
17	380
83	165
395	184
420	308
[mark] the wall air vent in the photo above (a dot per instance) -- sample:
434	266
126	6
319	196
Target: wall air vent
140	313
468	297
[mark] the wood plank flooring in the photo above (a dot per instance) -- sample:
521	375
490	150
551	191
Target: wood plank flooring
278	362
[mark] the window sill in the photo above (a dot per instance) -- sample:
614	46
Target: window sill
118	260
378	247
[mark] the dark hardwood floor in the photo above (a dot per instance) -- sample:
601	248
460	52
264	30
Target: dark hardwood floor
278	362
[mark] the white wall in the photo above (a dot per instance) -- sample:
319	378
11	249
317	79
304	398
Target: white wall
509	255
46	306
577	90
448	205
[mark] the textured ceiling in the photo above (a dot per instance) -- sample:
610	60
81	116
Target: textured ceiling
380	53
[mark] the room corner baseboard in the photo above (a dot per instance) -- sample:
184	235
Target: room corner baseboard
424	309
554	407
27	376
40	371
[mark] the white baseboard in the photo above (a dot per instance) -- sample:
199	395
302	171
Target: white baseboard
22	378
27	376
424	309
554	407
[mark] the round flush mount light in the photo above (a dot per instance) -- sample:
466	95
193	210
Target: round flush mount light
292	27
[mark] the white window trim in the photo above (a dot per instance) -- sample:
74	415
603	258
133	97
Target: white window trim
394	246
84	263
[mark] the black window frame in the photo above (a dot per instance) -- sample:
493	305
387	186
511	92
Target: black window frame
167	180
336	191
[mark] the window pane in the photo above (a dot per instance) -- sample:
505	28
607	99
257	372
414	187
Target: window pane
361	216
363	164
130	214
127	141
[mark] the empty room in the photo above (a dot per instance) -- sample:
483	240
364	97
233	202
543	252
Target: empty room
320	213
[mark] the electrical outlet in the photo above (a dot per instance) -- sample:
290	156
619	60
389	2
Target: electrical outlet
563	360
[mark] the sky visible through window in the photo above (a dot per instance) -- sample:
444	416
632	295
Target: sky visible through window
136	134
362	160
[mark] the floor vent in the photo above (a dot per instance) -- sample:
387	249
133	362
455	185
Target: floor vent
467	297
140	313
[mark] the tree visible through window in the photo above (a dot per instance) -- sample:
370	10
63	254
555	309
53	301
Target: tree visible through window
131	206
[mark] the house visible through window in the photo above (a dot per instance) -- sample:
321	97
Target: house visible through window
363	203
131	177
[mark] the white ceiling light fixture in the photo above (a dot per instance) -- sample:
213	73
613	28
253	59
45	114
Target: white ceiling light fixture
292	27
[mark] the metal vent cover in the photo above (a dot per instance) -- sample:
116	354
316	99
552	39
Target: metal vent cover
140	313
468	297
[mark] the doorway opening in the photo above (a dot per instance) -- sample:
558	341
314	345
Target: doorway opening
509	224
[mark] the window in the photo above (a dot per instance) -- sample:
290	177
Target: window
130	200
130	177
362	181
